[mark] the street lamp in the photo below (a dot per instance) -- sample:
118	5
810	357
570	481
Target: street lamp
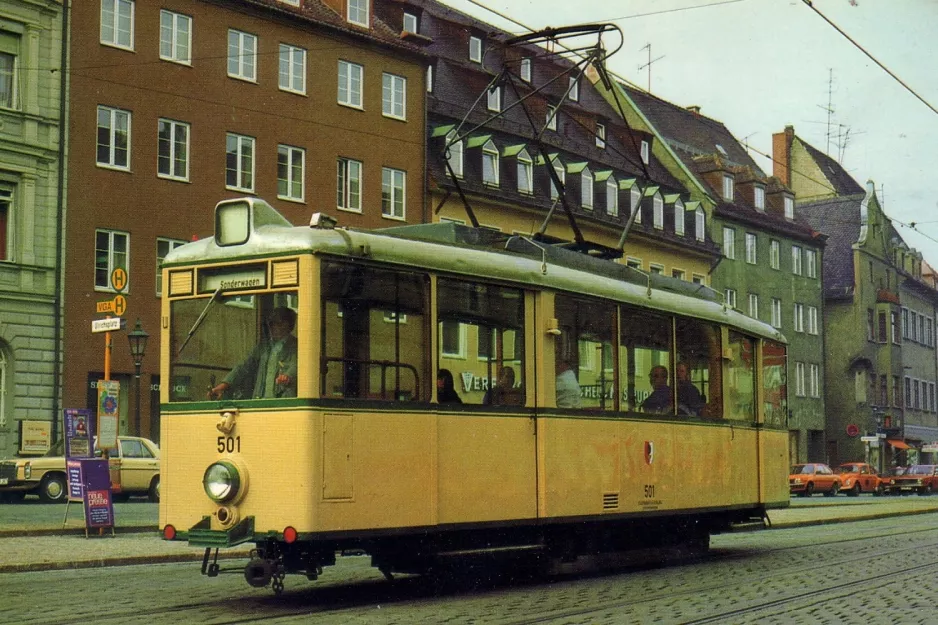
138	346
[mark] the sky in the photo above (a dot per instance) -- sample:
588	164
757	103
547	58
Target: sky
760	65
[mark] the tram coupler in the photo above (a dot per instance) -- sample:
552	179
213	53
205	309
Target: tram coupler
211	570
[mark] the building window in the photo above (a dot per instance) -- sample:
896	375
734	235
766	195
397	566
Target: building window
117	23
8	80
774	254
812	320
810	261
645	152
751	248
776	313
113	138
789	207
494	99
6	209
883	337
729	298
798	318
490	164
358	12
526	70
679	218
111	250
291	172
600	136
700	223
350	84
551	117
573	89
292	68
429	79
657	205
242	53
679	274
525	173
561	176
163	247
349	185
656	268
729	243
475	49
869	324
394	96
727	187
634	263
753	305
454	153
635	203
894	325
759	197
612	197
239	162
908	392
410	23
175	37
796	260
799	379
586	189
392	193
698	279
814	381
172	159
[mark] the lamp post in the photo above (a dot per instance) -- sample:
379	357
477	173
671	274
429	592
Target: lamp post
138	347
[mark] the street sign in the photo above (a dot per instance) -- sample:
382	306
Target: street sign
108	325
117	306
107	306
870	439
119	279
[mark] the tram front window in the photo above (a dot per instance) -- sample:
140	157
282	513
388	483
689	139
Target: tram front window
234	347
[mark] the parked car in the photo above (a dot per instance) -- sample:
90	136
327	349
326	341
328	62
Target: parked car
919	478
859	477
138	458
813	477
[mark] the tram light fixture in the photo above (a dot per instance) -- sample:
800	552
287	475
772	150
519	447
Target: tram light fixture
224	482
232	223
322	221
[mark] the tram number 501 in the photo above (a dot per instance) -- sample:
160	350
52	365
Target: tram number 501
229	444
649	490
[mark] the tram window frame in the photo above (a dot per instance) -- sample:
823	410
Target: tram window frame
646	341
699	347
587	326
734	377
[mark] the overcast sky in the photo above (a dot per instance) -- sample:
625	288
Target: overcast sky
759	65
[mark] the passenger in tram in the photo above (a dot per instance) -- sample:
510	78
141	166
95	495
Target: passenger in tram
568	389
446	389
270	369
660	398
689	399
504	392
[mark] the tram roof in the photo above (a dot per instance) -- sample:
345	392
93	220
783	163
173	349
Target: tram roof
482	253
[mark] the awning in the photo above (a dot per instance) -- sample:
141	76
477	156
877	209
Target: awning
897	444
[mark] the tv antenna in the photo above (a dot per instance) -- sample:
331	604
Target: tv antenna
647	46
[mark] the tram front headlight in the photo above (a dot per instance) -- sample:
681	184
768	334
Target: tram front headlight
223	481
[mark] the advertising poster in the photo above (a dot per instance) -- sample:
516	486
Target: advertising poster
108	413
99	509
75	483
79	433
35	437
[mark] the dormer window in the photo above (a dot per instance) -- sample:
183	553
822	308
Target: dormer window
490	164
358	12
551	117
635	203
612	197
789	207
454	153
494	99
657	203
700	223
645	151
728	187
557	164
574	89
600	136
475	49
525	173
759	197
526	70
410	23
679	217
586	189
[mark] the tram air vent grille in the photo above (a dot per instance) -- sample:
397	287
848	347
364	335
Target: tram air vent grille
610	501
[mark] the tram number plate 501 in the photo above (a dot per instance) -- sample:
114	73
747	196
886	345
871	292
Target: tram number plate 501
229	444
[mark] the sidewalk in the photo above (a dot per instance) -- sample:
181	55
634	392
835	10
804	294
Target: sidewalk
34	539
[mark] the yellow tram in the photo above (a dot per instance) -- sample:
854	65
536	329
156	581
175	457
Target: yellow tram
596	408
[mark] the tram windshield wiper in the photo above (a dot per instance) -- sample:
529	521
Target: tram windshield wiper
198	322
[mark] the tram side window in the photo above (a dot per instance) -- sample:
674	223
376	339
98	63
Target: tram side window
374	333
481	340
587	331
774	383
741	378
698	368
645	362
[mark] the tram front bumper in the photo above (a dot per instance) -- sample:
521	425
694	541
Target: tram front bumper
202	535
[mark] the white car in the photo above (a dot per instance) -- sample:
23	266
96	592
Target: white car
138	459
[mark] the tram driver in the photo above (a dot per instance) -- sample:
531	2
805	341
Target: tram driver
270	369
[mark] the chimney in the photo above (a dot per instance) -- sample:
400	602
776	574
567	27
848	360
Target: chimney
695	109
781	154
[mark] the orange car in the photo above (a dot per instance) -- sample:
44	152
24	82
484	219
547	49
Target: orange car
919	478
814	477
859	477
